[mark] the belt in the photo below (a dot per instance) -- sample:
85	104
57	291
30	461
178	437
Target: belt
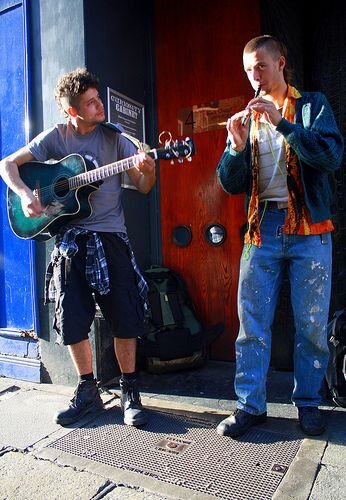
275	204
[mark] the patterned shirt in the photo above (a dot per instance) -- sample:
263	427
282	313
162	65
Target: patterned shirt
298	219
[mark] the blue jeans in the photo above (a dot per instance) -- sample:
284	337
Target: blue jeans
308	260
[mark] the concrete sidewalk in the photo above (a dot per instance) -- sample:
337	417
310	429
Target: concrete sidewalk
30	468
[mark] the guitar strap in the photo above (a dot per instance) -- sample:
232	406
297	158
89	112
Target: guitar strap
119	129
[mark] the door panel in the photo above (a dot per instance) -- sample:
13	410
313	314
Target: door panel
17	281
199	61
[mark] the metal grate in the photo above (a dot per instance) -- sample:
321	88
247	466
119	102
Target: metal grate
185	451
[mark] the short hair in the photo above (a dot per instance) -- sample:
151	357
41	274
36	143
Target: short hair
275	46
73	84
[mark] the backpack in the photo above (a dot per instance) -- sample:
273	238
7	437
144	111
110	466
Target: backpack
175	338
336	370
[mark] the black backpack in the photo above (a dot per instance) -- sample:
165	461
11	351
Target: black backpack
175	337
336	370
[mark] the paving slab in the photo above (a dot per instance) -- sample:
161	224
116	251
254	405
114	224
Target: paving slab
330	483
26	417
7	387
24	477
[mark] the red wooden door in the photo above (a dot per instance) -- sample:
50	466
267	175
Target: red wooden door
199	61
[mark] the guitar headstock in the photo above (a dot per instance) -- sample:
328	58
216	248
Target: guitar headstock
176	150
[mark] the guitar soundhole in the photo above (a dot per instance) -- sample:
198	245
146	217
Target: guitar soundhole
61	188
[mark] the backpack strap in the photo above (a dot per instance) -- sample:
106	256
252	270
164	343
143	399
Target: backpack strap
175	296
155	304
181	285
166	304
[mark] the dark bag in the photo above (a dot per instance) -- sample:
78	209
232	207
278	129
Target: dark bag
175	337
336	370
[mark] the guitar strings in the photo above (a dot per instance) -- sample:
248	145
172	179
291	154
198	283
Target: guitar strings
66	182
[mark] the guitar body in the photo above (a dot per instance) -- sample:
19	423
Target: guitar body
64	188
50	180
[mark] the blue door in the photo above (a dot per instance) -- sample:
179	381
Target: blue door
18	323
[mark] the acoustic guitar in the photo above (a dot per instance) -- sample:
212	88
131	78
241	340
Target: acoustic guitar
64	188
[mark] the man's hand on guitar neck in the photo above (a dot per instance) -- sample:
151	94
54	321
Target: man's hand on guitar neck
143	175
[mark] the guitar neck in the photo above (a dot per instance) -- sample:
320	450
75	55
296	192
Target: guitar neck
100	173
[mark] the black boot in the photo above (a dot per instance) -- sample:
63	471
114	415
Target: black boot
86	399
311	420
131	403
239	422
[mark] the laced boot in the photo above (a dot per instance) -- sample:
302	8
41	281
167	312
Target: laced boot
86	400
131	403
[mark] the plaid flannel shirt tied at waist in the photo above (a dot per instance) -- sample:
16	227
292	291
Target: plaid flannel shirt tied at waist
96	269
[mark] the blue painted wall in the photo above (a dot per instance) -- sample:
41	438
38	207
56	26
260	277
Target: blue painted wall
17	303
19	356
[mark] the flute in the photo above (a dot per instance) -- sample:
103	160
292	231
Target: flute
246	118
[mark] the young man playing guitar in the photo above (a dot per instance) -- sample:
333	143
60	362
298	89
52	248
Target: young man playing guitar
100	239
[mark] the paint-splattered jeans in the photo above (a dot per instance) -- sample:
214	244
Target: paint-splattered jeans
308	260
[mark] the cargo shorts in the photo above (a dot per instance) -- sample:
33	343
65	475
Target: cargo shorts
75	304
